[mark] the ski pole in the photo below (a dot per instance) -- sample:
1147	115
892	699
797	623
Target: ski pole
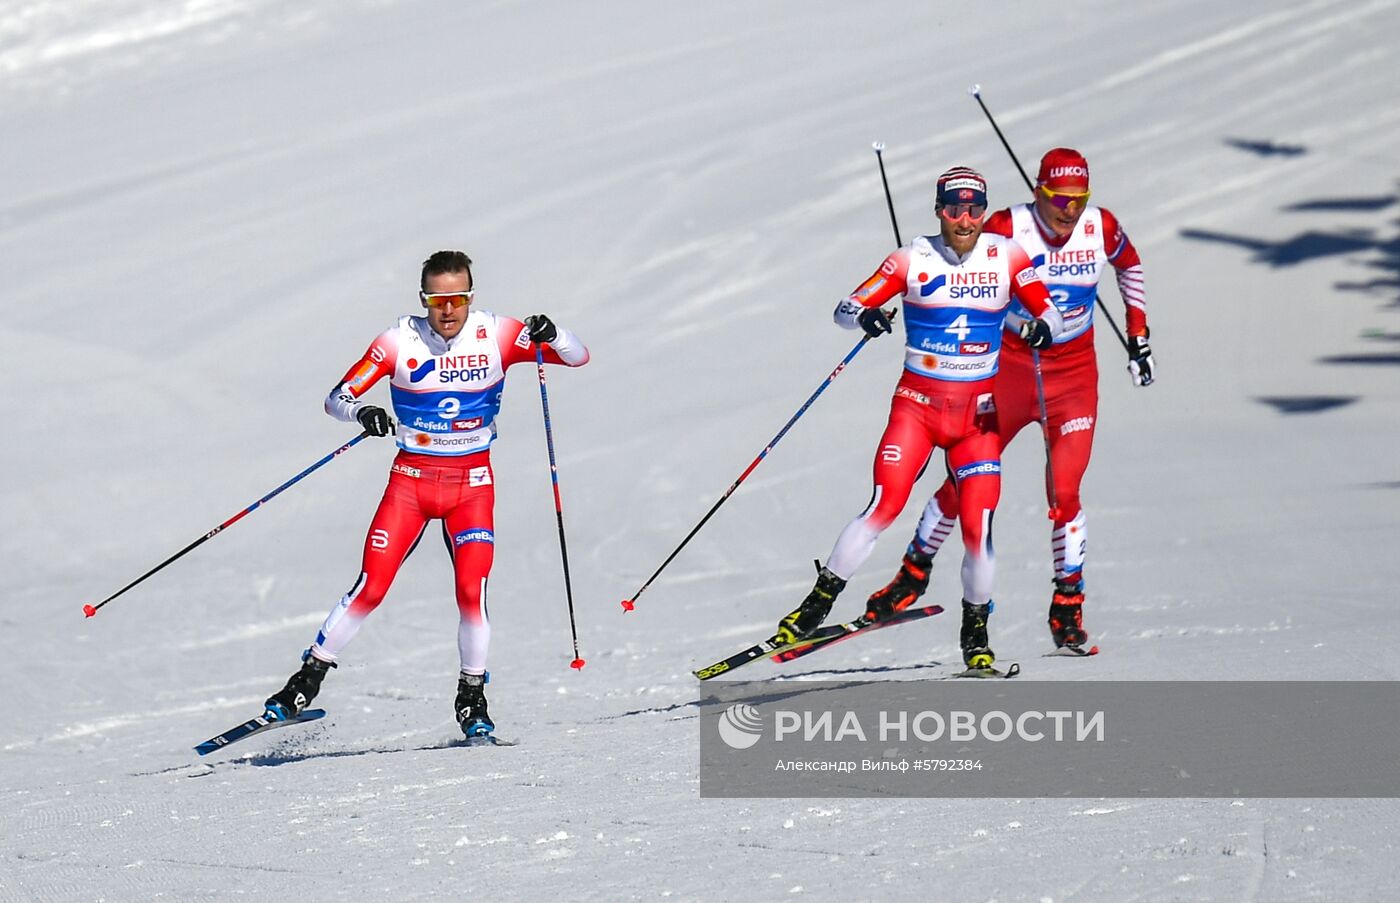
1045	432
578	662
90	610
630	604
889	200
976	92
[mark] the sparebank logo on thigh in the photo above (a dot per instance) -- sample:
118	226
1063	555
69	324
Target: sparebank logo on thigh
476	535
978	468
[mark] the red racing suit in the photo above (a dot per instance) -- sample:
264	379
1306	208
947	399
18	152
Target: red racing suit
445	395
1070	269
954	310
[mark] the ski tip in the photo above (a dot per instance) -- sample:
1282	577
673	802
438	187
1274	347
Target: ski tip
1093	650
89	611
628	604
577	664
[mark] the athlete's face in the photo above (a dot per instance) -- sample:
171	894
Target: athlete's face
447	319
961	232
1061	219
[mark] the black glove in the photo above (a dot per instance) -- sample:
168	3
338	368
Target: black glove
1140	360
541	329
1036	332
375	420
874	321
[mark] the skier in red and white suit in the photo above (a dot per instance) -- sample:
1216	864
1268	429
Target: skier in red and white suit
446	375
1070	243
956	288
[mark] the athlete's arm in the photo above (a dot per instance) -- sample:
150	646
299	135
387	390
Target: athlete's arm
378	361
1127	266
887	283
516	347
1027	288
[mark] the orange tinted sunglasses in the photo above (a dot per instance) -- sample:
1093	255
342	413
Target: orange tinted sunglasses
449	299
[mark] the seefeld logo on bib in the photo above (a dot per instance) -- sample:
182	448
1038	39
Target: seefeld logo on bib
740	726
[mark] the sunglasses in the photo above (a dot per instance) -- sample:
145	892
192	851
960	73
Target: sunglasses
1062	199
446	299
954	212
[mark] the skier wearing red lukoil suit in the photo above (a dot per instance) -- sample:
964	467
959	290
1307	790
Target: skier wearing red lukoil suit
955	288
446	374
1070	243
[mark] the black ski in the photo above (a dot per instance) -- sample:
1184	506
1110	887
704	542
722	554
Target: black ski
254	726
822	637
826	637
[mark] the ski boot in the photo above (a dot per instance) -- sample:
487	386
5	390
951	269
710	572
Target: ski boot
301	688
471	706
808	616
977	653
1067	614
904	590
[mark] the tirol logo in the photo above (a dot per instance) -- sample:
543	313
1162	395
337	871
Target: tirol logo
974	347
416	372
740	726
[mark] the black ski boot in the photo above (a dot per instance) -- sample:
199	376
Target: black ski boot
808	616
301	688
904	590
471	706
977	652
1067	614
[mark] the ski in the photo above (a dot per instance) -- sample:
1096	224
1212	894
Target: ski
738	659
483	740
254	726
826	637
1012	670
1070	650
823	636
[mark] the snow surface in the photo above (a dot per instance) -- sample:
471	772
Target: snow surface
211	206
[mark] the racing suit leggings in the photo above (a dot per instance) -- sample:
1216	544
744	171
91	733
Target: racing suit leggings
960	419
1072	400
460	492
